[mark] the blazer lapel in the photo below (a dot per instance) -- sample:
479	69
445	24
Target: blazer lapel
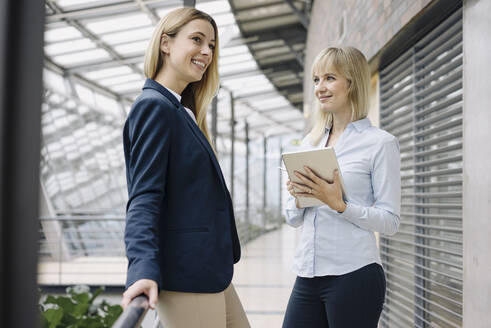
204	142
149	83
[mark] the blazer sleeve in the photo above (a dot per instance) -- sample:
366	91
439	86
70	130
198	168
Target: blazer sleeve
147	144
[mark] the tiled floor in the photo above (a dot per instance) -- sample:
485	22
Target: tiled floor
263	277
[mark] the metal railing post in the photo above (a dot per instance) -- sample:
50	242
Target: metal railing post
280	186
60	245
232	146
265	175
248	223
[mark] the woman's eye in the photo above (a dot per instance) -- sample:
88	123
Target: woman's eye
212	46
316	80
330	77
197	39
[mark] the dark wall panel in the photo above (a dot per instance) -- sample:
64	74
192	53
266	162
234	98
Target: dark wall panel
21	62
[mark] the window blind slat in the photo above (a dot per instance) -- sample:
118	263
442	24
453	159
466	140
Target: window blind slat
421	104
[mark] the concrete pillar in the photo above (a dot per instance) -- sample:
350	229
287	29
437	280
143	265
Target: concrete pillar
477	164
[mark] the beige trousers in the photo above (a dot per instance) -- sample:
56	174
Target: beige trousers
201	310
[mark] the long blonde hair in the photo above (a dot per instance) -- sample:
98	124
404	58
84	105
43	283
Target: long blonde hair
352	64
198	95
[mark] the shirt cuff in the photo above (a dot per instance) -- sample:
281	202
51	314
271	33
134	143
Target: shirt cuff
351	212
294	212
291	205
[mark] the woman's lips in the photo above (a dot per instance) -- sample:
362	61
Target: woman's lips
199	63
324	98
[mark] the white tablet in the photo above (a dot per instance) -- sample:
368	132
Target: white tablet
322	161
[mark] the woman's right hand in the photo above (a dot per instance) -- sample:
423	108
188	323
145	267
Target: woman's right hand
289	187
142	286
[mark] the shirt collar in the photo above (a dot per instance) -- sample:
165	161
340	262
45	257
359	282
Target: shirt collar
359	125
169	94
362	124
178	96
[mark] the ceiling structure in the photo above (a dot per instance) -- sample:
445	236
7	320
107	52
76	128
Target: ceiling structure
275	32
94	51
97	47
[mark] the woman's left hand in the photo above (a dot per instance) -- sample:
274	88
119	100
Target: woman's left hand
327	192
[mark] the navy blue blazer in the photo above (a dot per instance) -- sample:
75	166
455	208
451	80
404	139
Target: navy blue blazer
180	225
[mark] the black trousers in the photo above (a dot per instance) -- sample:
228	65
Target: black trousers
352	300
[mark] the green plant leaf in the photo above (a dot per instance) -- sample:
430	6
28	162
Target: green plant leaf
93	323
64	302
113	313
69	320
97	293
50	299
78	310
53	316
81	309
44	322
82	298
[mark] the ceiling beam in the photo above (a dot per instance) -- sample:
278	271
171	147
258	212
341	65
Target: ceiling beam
267	4
291	89
83	81
150	13
301	16
263	19
274	70
108	10
106	63
291	34
290	63
86	33
285	31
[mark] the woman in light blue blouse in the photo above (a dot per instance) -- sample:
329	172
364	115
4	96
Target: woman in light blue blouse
340	281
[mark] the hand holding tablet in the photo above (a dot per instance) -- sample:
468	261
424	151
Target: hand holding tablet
322	163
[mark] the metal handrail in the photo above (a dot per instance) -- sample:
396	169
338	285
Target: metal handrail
68	242
133	315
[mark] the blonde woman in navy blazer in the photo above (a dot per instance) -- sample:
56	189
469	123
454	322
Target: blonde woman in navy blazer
181	239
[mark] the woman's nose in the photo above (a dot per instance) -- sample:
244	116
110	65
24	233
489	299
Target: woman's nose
206	50
321	86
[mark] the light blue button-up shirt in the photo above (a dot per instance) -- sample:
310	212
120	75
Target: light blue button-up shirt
335	243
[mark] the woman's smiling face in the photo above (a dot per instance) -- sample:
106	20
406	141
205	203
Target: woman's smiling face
189	53
331	89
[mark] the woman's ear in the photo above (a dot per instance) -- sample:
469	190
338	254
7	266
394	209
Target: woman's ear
164	44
